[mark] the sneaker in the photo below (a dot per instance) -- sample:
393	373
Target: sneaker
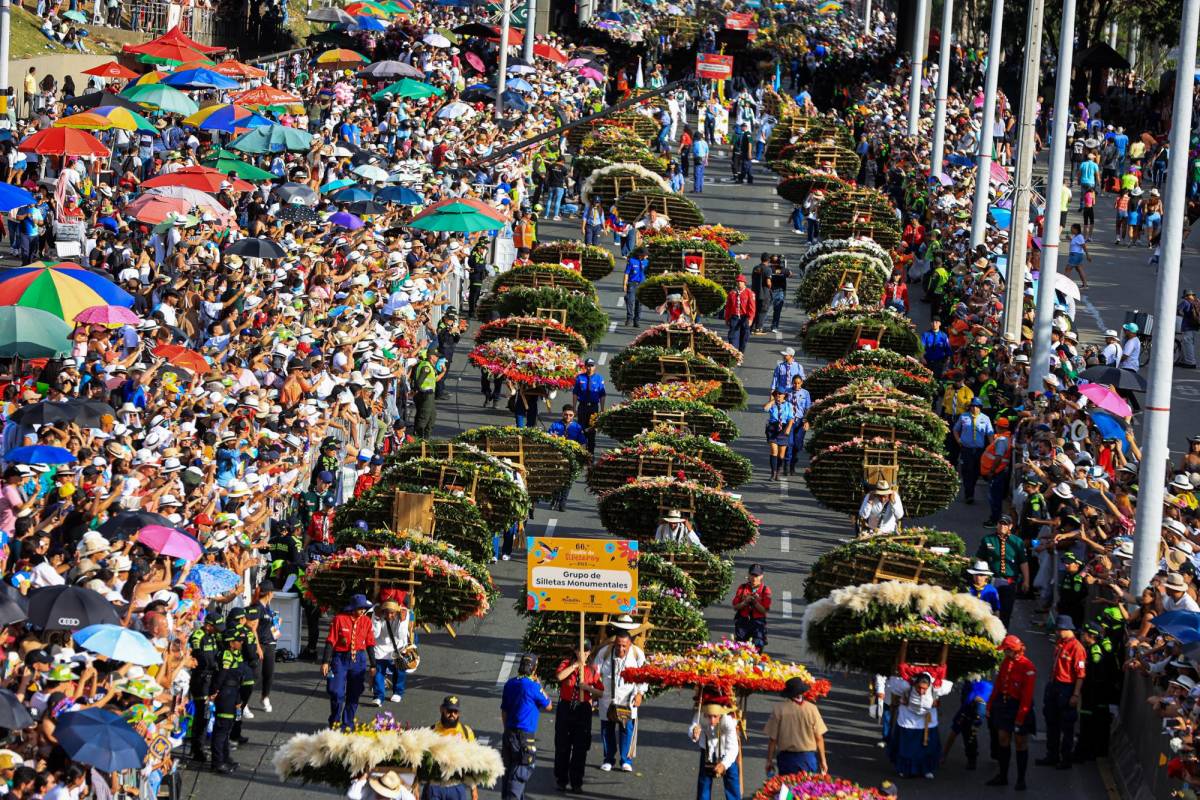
266	705
247	713
506	558
929	776
396	698
627	767
606	767
377	702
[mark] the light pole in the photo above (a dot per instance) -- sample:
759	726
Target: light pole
1157	418
983	162
918	62
530	14
505	27
943	91
5	41
867	18
1018	226
1044	311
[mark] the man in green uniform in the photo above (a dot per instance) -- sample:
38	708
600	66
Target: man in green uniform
1008	559
226	690
1072	588
424	383
239	624
205	647
1099	692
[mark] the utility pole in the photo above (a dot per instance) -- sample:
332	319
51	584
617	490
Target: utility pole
5	41
943	92
918	63
1040	363
983	162
530	15
1157	418
505	27
1018	227
867	26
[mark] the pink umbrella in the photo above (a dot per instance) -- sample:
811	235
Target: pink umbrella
170	542
107	315
475	61
592	73
1105	398
577	62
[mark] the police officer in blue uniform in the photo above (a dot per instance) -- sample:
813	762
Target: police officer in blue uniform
205	645
226	697
567	427
635	274
801	401
589	394
523	700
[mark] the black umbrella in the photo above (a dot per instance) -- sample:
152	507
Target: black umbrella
474	29
41	413
391	69
295	212
127	523
13	606
331	15
254	247
478	95
296	192
69	608
13	714
87	413
1125	379
361	207
93	99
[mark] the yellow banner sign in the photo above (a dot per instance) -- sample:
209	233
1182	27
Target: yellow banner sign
597	575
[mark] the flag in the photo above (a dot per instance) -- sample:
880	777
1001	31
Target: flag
778	77
785	793
639	82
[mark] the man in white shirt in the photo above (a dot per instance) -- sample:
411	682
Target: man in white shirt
717	736
1173	594
391	625
881	510
621	698
1112	348
1131	348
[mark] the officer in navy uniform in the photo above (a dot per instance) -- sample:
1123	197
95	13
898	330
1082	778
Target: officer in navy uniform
1100	690
589	394
226	697
205	645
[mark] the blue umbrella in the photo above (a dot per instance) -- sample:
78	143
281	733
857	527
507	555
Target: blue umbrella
369	24
351	194
960	161
39	454
119	643
199	78
400	195
340	183
1172	622
101	739
14	197
518	85
514	100
348	221
213	581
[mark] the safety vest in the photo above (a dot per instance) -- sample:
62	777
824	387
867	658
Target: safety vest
995	456
426	376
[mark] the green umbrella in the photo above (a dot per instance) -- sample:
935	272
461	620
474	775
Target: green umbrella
273	139
162	98
32	333
76	16
462	222
409	89
449	34
226	162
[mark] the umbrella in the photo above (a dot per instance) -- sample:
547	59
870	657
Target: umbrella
475	61
14	197
170	53
521	69
347	221
296	193
331	15
232	68
516	36
367	8
591	73
294	212
1066	286
408	89
180	356
265	96
340	58
100	738
39	454
458	214
191	198
170	542
1125	379
13	606
400	195
202	179
436	40
390	69
86	413
118	643
127	523
62	288
175	36
226	162
1173	623
93	99
371	172
76	16
63	142
199	78
273	139
154	208
105	314
254	247
225	117
164	98
352	194
32	333
369	24
126	119
68	608
549	53
84	120
455	110
13	714
111	70
366	207
518	85
340	183
213	581
1105	398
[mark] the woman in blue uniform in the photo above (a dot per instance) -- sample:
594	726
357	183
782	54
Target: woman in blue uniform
780	417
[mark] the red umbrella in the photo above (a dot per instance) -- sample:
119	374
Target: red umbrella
179	356
111	70
168	51
174	36
515	36
549	53
63	142
236	69
154	208
206	179
265	96
476	62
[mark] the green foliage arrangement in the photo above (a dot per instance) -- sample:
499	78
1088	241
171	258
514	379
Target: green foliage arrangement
666	256
627	420
798	182
855	563
928	483
914	424
880	367
734	467
831	334
583	315
597	262
843	161
682	212
636	460
690	336
551	463
855	391
458	521
820	284
708	294
721	520
857	211
501	501
531	328
544	274
636	366
711	574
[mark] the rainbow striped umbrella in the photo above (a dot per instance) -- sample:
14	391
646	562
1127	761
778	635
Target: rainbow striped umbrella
340	58
123	118
225	117
60	288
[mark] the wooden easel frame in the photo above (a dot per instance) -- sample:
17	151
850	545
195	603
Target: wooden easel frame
668	369
559	315
881	463
676	338
851	275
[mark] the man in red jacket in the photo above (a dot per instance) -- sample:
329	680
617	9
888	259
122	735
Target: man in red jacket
1010	709
739	313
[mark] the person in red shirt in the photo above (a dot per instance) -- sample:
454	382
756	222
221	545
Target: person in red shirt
349	650
573	719
751	602
1061	699
739	313
369	478
1010	709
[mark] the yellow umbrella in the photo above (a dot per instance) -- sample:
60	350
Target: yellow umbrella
85	120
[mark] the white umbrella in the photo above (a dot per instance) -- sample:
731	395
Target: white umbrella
455	110
436	40
194	197
371	173
1064	284
522	69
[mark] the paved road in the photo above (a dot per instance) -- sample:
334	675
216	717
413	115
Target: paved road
795	531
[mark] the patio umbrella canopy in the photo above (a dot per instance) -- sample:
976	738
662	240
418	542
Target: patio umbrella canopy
111	70
63	142
272	139
163	98
32	333
69	608
199	78
61	288
204	179
225	162
102	739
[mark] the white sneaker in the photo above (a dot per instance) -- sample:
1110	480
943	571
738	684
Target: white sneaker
266	705
606	767
929	775
377	702
396	698
627	767
247	713
505	558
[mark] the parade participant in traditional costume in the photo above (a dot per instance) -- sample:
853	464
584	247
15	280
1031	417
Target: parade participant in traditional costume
915	747
1010	710
676	530
620	701
349	649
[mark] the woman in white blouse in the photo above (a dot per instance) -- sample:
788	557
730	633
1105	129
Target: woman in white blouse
914	746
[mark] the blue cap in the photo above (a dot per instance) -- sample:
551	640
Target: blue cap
358	601
325	475
975	401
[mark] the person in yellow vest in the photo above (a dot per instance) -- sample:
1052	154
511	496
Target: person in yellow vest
424	383
451	724
955	402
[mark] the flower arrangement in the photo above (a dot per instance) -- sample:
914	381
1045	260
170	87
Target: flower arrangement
544	274
700	391
682	212
596	262
642	124
522	327
601	139
710	574
831	247
446	594
336	757
539	364
913	424
727	666
635	366
551	463
721	235
878	366
583	315
734	467
858	561
813	786
858	211
653	569
830	334
707	295
501	500
797	129
721	520
665	255
798	181
928	482
606	183
875	650
855	390
626	420
623	153
624	464
932	538
827	157
692	336
823	280
457	519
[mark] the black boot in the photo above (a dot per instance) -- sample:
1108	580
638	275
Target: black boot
1022	766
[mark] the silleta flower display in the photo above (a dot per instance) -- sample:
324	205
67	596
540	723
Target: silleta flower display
538	364
813	786
728	666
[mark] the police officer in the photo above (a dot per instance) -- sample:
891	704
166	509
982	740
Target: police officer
327	461
589	395
1072	589
424	383
226	697
1099	692
266	621
349	650
242	623
205	646
286	548
523	699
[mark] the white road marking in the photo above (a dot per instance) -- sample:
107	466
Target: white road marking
783	489
603	359
787	605
1094	313
777	241
779	336
785	541
551	524
612	326
506	668
775	206
776	222
621	301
